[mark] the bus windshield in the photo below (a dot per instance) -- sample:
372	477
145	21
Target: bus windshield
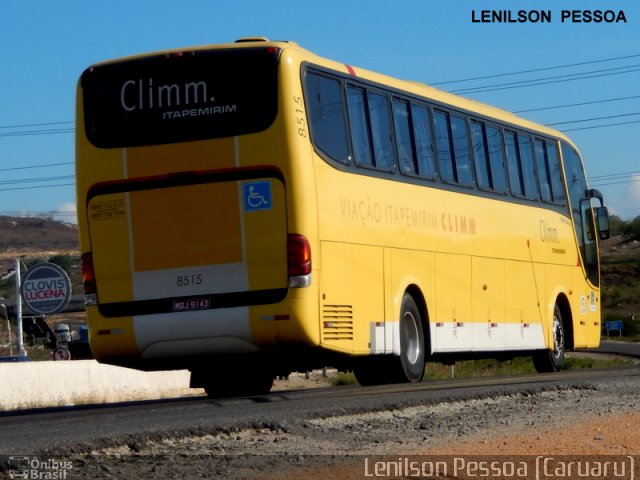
180	97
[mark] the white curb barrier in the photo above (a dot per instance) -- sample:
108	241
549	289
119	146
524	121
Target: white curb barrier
49	384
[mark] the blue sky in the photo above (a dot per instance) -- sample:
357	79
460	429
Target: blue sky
47	44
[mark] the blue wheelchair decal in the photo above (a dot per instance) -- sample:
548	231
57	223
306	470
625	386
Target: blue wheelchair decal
257	196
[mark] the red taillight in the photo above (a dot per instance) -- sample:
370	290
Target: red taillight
88	277
298	255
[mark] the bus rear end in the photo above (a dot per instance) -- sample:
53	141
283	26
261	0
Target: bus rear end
183	216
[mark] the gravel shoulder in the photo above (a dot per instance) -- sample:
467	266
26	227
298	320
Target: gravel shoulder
594	419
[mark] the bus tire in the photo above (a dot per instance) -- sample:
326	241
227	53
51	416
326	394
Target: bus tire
409	367
552	360
238	380
372	370
412	344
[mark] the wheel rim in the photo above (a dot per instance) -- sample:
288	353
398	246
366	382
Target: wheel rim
409	336
558	337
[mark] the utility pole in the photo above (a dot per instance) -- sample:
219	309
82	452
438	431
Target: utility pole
20	343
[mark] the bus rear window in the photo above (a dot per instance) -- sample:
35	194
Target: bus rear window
180	97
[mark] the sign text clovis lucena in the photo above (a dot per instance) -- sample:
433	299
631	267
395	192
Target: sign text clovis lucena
46	289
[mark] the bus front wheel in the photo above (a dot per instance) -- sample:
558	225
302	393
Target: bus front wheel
552	360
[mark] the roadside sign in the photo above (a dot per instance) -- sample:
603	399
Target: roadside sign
61	354
46	289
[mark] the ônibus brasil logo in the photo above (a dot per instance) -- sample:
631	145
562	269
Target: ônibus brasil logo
46	289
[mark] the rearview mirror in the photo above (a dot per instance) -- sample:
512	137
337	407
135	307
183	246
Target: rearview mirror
602	220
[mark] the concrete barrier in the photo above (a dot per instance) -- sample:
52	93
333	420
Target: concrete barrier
49	384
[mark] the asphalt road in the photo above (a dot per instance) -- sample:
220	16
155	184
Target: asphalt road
622	348
78	430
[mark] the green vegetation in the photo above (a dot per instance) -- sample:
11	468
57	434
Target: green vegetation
620	227
494	368
620	265
343	378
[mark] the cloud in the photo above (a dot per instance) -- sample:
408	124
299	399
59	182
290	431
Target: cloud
66	213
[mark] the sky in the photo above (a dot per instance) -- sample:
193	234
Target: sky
47	44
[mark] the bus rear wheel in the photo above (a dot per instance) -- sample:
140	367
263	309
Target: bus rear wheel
412	344
410	365
552	360
239	380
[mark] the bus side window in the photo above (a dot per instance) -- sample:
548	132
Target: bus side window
513	163
528	167
359	126
557	185
480	155
544	177
495	150
326	114
423	140
381	131
462	159
404	142
443	145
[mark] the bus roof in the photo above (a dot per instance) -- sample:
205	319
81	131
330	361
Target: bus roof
409	86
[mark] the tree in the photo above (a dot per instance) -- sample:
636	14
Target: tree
616	225
633	227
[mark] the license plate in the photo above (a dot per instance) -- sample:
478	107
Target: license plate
191	304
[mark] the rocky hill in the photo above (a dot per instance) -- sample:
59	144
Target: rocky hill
35	238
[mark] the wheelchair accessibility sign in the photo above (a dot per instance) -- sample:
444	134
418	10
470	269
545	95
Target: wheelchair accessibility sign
257	196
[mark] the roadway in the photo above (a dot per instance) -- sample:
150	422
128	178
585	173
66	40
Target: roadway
80	429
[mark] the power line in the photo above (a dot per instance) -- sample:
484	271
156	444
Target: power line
607	184
36	186
35	180
613	175
542	69
548	80
46	165
27	133
600	126
593	119
57	213
25	125
569	105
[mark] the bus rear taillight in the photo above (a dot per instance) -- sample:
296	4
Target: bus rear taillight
298	261
89	280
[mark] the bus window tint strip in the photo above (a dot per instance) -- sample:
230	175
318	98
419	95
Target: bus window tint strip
354	123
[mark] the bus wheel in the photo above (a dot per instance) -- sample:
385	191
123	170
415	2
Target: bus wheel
552	360
239	382
412	355
406	368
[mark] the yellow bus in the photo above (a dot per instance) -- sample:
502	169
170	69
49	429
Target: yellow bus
251	209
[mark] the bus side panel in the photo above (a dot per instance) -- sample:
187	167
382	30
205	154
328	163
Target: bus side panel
352	293
405	268
525	328
488	297
453	323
